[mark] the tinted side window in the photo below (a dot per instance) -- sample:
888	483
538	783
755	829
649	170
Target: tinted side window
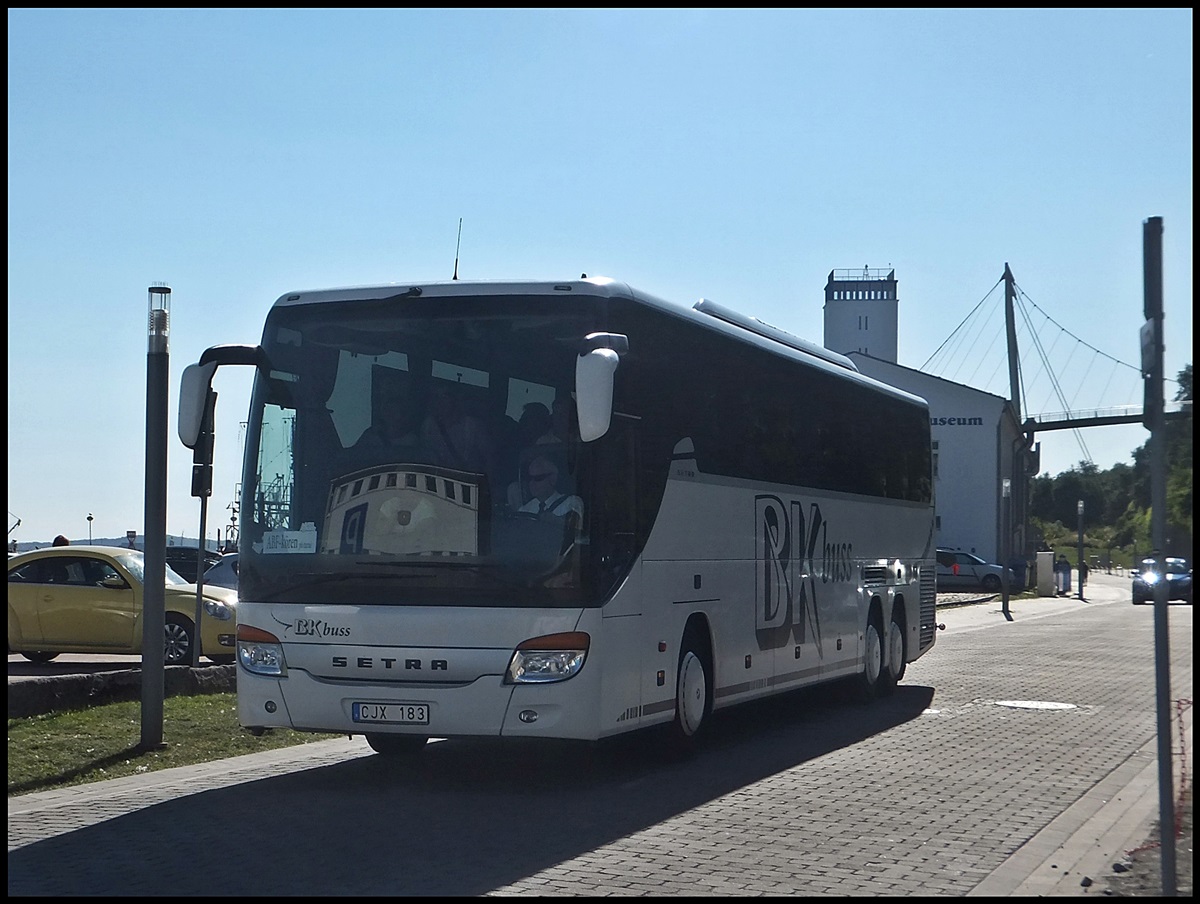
76	573
26	574
763	416
96	570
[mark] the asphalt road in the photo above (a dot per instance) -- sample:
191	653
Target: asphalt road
1016	758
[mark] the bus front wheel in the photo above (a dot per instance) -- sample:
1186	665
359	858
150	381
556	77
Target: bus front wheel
395	745
693	694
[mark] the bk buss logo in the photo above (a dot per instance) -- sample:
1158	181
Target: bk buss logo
793	556
314	627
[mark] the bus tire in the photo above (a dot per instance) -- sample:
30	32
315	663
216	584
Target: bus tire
693	692
895	661
396	744
39	656
873	677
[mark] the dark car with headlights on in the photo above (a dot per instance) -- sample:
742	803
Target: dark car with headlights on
1178	577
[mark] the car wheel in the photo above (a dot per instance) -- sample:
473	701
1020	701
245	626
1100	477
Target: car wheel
693	692
39	656
396	744
991	583
872	678
177	639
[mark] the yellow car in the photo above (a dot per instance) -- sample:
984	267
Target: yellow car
88	599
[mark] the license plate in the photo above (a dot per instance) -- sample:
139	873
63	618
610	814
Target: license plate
391	713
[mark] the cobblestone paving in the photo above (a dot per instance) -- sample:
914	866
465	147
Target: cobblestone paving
933	791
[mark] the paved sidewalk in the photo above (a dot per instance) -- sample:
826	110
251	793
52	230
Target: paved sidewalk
1115	816
1109	818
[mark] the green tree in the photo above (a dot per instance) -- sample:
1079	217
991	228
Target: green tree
1117	501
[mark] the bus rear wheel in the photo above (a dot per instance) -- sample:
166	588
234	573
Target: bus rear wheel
896	663
396	745
873	678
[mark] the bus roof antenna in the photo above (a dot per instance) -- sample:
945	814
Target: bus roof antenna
456	247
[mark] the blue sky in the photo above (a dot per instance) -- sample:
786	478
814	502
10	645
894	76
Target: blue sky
737	155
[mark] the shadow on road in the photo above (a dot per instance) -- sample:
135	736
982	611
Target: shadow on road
462	818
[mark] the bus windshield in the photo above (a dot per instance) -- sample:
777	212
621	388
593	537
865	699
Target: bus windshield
417	451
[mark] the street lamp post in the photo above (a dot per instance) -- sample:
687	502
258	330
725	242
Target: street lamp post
89	528
155	555
1079	575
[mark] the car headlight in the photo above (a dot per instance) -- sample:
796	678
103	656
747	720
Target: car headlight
1150	577
553	657
217	609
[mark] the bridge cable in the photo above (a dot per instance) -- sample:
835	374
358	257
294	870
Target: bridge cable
959	327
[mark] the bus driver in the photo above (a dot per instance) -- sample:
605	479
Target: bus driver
546	500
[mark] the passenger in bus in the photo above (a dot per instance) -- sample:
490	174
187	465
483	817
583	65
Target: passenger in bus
393	434
564	425
452	436
535	425
546	500
534	428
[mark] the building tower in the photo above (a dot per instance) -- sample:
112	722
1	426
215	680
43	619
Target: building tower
861	312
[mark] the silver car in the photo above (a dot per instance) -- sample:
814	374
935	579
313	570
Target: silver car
223	573
958	569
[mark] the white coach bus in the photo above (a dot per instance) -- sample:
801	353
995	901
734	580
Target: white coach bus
734	512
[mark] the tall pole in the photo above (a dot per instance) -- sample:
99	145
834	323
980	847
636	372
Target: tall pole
155	567
1006	544
196	643
1010	331
202	487
1079	568
1152	370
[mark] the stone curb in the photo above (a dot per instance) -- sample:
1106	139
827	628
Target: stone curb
38	696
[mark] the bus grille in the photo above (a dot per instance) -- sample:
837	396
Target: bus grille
928	604
875	574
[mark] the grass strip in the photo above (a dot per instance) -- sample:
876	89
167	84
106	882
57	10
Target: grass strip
90	745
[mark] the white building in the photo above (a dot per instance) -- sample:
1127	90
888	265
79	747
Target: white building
978	443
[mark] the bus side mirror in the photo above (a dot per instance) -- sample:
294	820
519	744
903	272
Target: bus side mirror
193	398
196	382
594	370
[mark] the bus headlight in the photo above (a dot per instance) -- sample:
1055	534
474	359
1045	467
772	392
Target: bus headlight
260	652
552	657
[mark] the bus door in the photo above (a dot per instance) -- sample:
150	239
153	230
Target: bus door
613	539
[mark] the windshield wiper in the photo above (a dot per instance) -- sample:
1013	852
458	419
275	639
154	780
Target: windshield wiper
316	580
424	562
